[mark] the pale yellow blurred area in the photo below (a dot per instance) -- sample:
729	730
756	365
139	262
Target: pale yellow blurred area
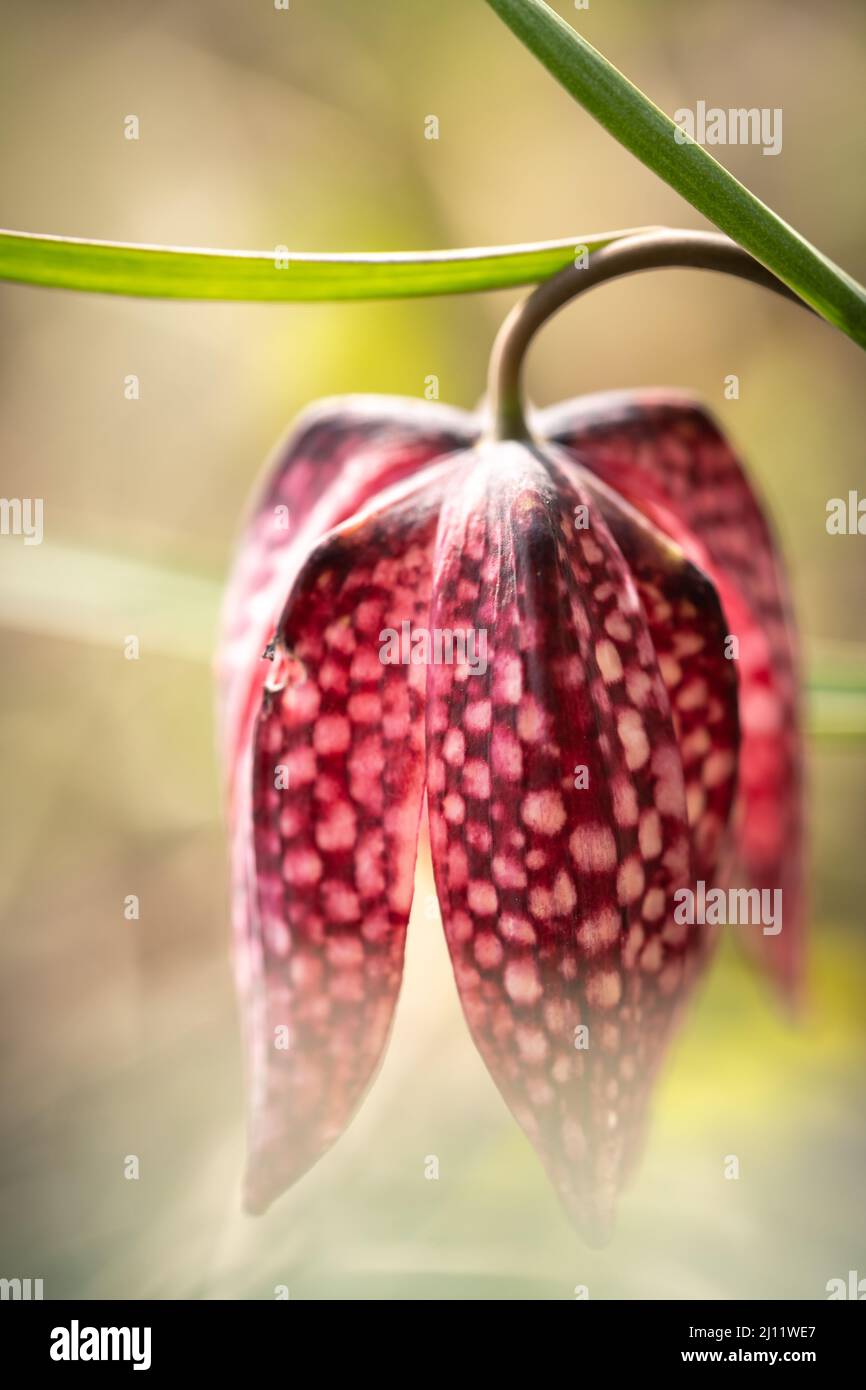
305	128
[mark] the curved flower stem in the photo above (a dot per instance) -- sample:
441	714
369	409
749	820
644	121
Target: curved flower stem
651	250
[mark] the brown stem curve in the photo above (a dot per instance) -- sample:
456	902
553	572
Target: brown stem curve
646	251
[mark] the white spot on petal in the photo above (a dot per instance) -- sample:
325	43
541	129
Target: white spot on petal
543	811
630	880
632	736
609	664
599	931
650	834
603	989
593	848
488	950
482	898
522	983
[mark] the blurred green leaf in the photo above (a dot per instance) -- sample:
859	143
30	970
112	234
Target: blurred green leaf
645	130
174	272
92	596
836	714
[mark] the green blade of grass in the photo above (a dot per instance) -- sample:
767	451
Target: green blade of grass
171	272
645	130
836	716
89	596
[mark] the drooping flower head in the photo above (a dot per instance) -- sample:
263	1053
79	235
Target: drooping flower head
536	633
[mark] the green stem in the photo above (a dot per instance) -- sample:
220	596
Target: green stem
638	124
645	251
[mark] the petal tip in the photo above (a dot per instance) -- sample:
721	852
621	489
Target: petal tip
593	1218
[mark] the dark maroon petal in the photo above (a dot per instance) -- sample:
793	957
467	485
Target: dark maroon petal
688	631
665	455
337	456
558	816
333	863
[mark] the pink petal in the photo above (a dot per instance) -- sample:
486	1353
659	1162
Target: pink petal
329	883
337	456
668	458
549	893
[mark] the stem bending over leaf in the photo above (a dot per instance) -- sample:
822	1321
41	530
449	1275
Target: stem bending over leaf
644	251
645	130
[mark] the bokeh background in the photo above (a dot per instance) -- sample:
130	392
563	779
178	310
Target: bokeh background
307	128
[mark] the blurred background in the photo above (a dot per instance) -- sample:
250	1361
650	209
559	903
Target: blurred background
306	128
